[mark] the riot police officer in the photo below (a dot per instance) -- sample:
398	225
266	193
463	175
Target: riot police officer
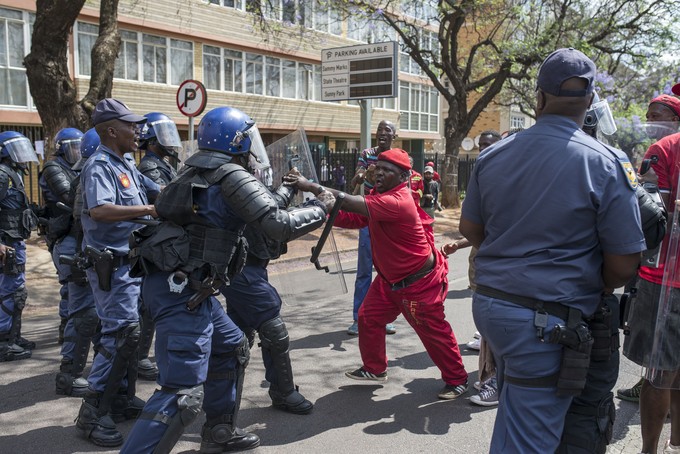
198	347
160	138
255	305
55	182
16	222
114	192
82	316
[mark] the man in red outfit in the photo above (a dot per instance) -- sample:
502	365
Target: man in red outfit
412	273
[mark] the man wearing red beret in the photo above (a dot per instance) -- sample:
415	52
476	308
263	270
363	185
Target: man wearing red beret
412	273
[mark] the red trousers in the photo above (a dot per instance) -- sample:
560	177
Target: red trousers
422	305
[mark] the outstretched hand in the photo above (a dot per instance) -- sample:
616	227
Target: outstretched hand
298	181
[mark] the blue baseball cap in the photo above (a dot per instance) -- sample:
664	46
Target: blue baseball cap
564	64
111	109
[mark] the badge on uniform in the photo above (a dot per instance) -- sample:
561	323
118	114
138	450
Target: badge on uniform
630	173
124	180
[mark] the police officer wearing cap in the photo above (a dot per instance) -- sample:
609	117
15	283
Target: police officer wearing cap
160	139
16	222
199	349
546	257
114	192
82	315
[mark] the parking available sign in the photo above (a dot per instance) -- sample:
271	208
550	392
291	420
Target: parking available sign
359	72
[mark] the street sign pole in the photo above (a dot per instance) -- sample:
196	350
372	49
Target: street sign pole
366	114
191	129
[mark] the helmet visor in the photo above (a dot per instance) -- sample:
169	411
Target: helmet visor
258	160
20	150
167	134
71	149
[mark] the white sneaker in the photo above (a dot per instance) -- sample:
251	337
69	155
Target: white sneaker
488	396
477	335
670	449
474	344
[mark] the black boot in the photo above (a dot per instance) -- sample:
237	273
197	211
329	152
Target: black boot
226	438
147	370
99	429
293	402
67	383
12	352
124	408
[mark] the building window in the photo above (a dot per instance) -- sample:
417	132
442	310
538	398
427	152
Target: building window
181	61
254	74
517	121
14	45
233	70
418	107
87	35
274	76
211	67
127	63
154	54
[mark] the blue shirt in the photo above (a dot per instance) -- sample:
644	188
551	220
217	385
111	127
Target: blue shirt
108	179
552	200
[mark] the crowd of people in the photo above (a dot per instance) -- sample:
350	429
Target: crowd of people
142	250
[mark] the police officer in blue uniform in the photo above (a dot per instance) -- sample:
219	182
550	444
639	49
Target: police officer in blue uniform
160	138
198	248
55	181
82	315
255	305
16	222
114	192
547	255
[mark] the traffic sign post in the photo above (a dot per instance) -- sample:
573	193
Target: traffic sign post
191	101
359	72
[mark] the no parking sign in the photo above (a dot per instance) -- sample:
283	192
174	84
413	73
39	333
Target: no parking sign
191	101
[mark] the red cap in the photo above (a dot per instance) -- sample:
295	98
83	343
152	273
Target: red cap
669	101
396	156
676	89
431	164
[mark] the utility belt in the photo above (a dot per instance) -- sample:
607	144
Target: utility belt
105	263
575	337
205	287
418	275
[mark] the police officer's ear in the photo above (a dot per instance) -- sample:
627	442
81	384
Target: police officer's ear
540	100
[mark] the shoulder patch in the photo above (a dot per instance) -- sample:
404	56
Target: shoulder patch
102	157
631	175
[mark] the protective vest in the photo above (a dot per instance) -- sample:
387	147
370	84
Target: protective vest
186	241
16	223
59	180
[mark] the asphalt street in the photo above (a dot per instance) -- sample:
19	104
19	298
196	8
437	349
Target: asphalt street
400	415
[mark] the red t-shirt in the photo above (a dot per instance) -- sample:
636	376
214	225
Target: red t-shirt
399	242
417	186
667	169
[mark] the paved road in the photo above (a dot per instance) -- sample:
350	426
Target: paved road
401	415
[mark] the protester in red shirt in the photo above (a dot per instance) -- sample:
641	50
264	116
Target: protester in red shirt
416	182
412	273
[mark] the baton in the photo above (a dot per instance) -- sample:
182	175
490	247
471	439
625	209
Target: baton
316	250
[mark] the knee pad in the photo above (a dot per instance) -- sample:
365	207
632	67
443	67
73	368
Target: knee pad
274	336
127	340
20	297
85	322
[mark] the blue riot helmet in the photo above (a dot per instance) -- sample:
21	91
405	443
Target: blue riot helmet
67	144
230	131
160	129
88	146
18	149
